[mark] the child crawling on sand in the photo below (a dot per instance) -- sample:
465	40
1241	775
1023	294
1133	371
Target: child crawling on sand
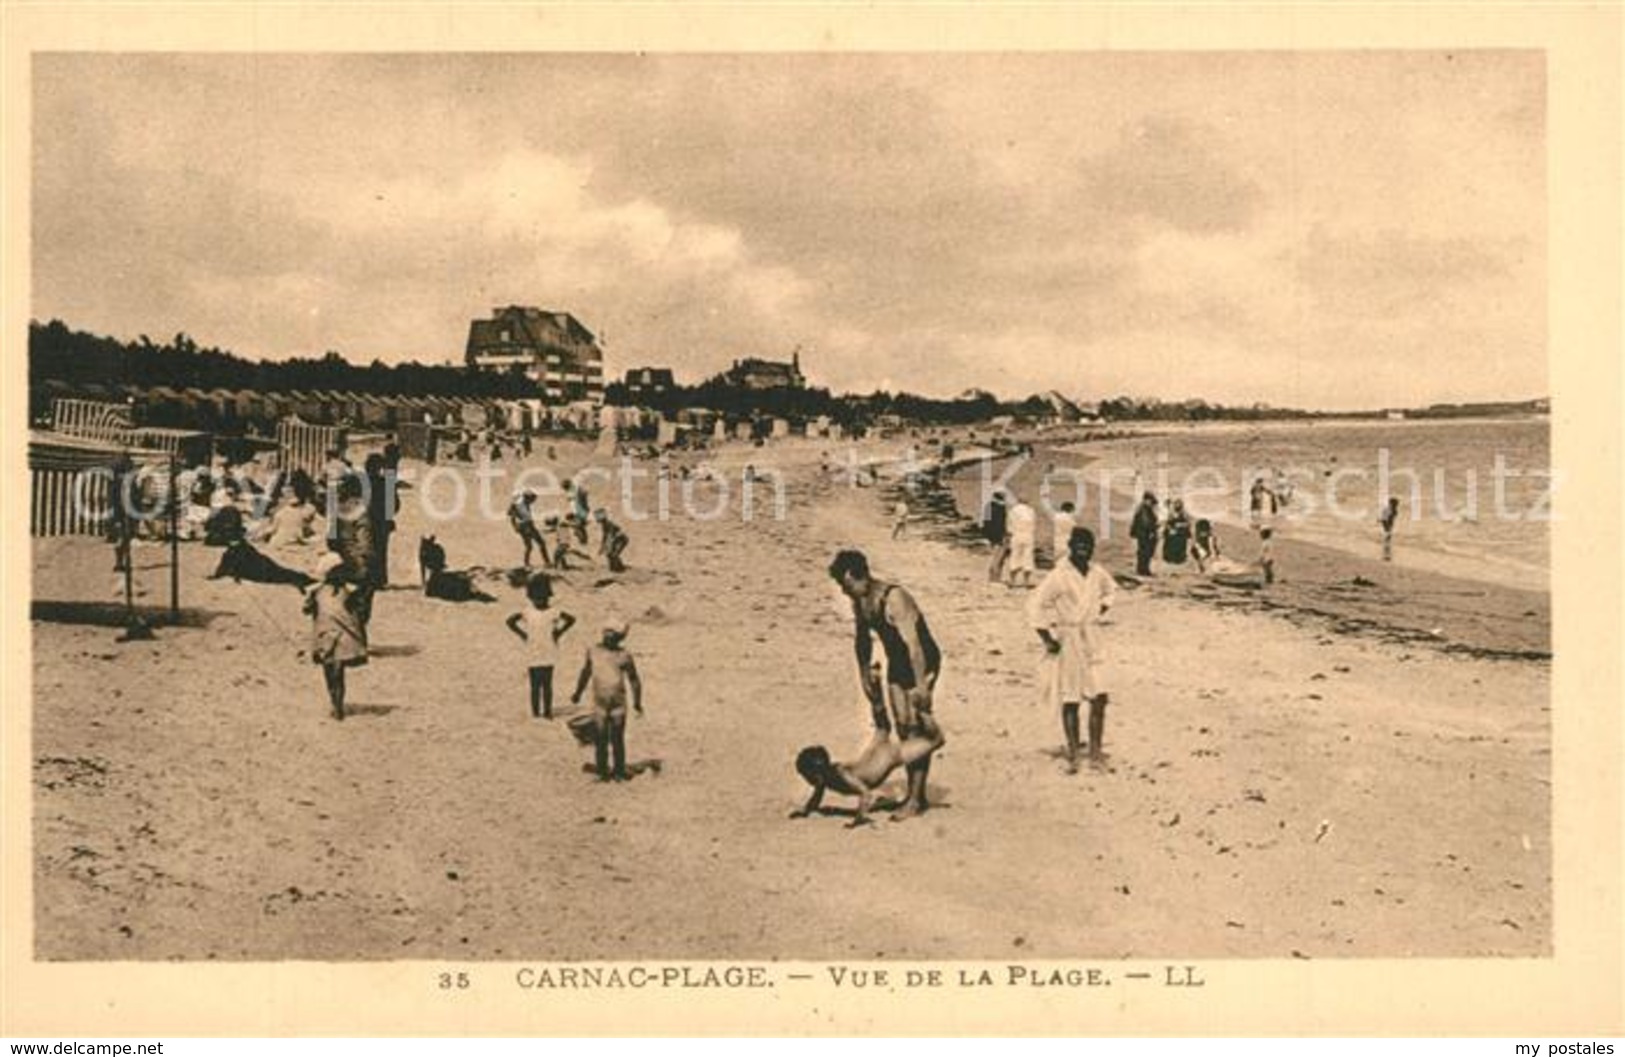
563	528
862	776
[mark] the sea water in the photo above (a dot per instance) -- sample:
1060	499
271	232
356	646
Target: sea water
1477	497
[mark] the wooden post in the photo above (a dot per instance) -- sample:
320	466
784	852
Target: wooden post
174	546
125	547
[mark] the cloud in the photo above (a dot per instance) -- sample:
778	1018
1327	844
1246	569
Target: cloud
1386	273
1165	171
945	221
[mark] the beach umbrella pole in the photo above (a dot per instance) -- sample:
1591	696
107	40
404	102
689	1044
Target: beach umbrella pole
174	547
134	627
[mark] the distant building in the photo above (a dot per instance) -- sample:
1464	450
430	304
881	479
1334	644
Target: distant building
766	374
645	382
553	349
1060	408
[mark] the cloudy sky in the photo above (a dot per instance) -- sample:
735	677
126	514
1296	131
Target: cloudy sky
1321	230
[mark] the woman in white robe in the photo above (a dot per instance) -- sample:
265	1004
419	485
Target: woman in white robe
1065	611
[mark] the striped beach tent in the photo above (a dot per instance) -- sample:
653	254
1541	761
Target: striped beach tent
189	446
303	446
95	419
70	481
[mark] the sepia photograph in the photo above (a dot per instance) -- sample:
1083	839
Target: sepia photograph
648	520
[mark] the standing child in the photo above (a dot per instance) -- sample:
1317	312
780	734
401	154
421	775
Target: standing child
541	629
1205	544
338	625
1390	516
1023	525
522	518
562	548
899	518
612	541
1062	524
612	673
1176	533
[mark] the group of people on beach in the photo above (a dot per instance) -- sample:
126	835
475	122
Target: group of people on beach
522	518
1182	539
1065	613
608	670
354	566
1065	609
1010	526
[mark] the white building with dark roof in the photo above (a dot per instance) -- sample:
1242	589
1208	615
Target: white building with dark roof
553	349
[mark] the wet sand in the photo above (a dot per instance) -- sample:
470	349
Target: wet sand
1275	789
1317	585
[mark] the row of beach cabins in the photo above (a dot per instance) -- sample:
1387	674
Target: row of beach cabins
80	432
251	412
241	410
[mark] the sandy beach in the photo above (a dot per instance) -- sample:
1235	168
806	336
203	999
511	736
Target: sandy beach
1308	787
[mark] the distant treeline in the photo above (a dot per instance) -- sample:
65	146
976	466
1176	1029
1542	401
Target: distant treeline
1127	409
1488	410
811	403
58	353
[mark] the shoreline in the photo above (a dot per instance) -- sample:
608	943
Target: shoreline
1339	591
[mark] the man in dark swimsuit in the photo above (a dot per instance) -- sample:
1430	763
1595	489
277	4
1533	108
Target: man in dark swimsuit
913	662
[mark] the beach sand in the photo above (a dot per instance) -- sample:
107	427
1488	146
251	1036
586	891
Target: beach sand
1277	788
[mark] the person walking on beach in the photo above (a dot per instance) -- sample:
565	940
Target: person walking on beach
1204	545
334	473
995	529
522	517
1390	517
1061	525
899	518
337	608
563	541
612	541
541	629
1176	533
121	521
1065	611
913	664
1144	530
580	509
352	536
382	506
613	675
1023	540
1262	505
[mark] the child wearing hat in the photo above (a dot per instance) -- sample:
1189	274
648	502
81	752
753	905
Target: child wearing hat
337	610
613	676
522	518
612	541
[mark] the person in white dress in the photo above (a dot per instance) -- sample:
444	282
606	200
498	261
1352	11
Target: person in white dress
1064	521
1023	535
1065	611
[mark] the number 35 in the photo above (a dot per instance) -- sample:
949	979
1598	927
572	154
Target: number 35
452	981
